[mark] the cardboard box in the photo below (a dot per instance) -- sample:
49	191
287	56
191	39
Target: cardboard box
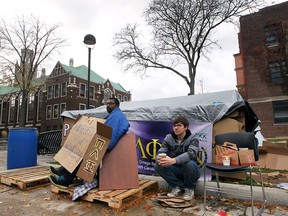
226	151
273	158
246	157
88	139
227	125
95	152
67	126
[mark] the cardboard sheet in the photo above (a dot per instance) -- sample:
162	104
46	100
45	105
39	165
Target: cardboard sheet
120	166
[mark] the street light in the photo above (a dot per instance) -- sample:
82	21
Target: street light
89	41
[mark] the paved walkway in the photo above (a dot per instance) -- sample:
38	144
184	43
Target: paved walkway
54	204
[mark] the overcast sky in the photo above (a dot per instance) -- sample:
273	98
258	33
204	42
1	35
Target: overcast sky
104	18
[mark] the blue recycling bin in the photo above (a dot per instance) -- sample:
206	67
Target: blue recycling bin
22	148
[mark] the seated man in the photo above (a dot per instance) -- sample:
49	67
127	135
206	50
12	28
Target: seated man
178	166
118	122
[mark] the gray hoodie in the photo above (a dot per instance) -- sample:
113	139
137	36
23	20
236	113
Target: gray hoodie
182	152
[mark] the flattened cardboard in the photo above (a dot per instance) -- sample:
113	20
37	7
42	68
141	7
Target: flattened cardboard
95	152
120	166
77	142
67	125
273	158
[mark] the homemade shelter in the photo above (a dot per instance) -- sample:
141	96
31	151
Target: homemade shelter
209	114
208	107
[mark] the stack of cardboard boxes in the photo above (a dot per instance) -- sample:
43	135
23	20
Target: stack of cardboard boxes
235	122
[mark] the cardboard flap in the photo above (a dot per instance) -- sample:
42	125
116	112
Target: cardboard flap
68	159
104	130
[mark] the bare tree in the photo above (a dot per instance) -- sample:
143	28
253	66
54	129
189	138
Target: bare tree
29	41
182	32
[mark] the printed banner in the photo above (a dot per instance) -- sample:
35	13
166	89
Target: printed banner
149	137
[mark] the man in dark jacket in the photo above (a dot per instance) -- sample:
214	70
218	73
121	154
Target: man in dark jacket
176	160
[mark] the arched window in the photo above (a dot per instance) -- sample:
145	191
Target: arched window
12	109
39	107
19	106
107	94
30	106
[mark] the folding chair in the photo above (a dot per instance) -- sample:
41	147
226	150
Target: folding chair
243	140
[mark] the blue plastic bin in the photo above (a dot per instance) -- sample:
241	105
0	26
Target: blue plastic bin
22	148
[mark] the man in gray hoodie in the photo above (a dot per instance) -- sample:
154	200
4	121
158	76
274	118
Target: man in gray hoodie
176	160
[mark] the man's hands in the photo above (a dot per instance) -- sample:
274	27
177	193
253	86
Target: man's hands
166	161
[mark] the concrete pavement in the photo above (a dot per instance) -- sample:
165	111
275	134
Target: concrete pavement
275	196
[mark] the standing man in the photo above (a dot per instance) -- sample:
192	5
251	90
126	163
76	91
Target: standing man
179	167
118	122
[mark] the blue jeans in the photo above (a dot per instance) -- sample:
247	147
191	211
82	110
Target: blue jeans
66	175
183	176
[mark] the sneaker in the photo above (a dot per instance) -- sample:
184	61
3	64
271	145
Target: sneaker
59	182
189	194
54	172
174	192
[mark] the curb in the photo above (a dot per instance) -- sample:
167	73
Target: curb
274	196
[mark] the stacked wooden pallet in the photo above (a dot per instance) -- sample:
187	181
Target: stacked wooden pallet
114	198
25	178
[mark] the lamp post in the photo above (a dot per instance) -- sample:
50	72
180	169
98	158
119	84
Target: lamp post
89	41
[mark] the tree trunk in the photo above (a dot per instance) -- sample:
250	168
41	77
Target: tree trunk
23	109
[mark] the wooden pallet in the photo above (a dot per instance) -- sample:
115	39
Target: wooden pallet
114	198
25	178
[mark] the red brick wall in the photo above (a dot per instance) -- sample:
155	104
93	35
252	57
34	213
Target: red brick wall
256	56
264	111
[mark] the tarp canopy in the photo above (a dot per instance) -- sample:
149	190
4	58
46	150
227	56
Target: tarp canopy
208	107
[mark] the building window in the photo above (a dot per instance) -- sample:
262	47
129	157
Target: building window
280	109
119	96
30	107
91	92
56	90
49	92
55	111
39	107
19	107
12	109
48	112
62	107
82	106
107	94
82	90
4	112
273	33
125	98
277	71
63	89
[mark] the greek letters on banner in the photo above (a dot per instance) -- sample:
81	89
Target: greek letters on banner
150	134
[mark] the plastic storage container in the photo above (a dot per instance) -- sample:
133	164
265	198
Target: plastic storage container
22	148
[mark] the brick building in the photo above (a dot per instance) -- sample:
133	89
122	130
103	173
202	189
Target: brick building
64	89
262	67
